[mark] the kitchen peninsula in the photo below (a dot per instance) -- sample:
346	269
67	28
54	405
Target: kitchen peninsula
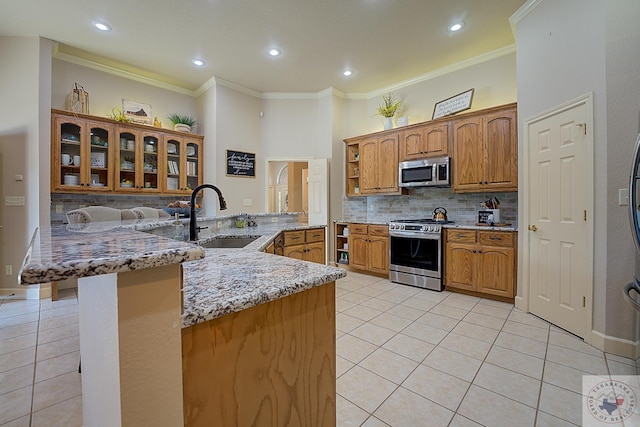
253	341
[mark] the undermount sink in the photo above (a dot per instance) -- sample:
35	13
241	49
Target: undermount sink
228	242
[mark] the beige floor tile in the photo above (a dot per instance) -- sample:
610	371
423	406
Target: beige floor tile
409	347
370	291
449	311
394	296
462	303
355	298
17	330
405	408
574	343
18	358
522	345
374	422
57	322
20	422
15	404
406	311
425	332
515	361
18	319
419	304
431	296
373	333
379	304
364	388
17	343
527	331
617	368
465	345
52	305
342	365
561	403
453	363
496	304
353	349
437	386
481	333
15	379
11	310
438	321
346	323
56	334
460	421
56	390
362	312
342	305
492	409
578	360
546	420
620	359
509	384
491	310
389	365
58	348
58	365
390	321
484	320
64	414
527	318
564	376
348	414
68	310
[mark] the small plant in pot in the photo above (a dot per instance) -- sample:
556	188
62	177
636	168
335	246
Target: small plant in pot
388	109
182	123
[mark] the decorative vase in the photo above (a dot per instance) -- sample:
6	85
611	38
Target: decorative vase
181	127
402	121
387	123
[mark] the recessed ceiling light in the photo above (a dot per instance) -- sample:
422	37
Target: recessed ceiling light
347	73
274	51
456	26
199	62
101	25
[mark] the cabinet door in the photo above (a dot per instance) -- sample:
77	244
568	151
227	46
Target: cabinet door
358	250
314	252
175	152
500	139
411	144
193	167
151	158
496	271
460	265
352	156
369	166
378	254
388	164
97	160
295	251
67	136
436	140
127	177
468	156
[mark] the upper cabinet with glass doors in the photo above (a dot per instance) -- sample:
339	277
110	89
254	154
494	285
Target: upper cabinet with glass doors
92	154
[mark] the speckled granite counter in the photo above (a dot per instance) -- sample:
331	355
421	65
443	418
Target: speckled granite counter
482	227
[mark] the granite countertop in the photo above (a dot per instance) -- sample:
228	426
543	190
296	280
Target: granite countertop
482	227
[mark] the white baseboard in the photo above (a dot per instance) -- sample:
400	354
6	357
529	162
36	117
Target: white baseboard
26	292
614	345
520	304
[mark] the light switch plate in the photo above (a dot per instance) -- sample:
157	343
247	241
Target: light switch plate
274	219
58	208
14	201
623	197
248	202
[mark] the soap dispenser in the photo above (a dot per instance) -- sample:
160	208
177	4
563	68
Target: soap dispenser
178	228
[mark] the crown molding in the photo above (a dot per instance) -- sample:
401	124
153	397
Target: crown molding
519	14
236	87
118	72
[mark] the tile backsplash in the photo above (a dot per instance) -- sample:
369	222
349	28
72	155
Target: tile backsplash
420	203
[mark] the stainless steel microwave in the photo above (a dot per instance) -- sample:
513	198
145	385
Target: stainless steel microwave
432	172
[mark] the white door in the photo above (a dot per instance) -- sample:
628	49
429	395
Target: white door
318	192
560	230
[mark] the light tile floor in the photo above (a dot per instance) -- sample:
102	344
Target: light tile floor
405	357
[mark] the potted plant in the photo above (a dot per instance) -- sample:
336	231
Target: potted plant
182	123
388	109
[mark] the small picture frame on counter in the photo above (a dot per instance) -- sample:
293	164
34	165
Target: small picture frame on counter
489	216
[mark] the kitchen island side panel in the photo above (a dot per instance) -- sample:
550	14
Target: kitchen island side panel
272	364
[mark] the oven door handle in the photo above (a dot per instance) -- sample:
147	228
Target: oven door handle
414	235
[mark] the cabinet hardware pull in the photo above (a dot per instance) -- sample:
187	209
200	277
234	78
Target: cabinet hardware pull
495	238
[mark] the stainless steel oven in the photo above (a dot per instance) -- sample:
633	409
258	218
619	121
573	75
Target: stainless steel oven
415	253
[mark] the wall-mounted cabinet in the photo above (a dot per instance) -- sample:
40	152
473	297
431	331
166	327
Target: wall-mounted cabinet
353	169
379	165
93	154
427	140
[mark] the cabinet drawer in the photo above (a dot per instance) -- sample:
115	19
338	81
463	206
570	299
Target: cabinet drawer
462	236
358	228
293	237
379	230
315	235
495	238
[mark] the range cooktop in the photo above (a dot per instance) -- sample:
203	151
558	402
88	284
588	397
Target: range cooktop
420	221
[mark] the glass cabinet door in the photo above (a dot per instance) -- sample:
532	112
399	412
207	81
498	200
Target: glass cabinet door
151	147
126	162
174	150
97	163
193	172
67	174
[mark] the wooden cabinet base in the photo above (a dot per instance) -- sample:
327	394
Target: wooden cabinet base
272	364
480	294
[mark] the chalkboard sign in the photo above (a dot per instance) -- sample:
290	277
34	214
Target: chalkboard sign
241	164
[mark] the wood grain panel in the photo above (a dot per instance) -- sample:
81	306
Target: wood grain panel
436	139
269	365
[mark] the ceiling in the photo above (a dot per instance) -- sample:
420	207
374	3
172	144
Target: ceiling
384	42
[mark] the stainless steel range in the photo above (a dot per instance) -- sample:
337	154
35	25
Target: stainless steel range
416	253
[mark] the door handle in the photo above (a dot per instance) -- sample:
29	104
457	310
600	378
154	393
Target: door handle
533	228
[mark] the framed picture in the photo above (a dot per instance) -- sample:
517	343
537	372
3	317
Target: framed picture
241	164
137	112
97	160
453	105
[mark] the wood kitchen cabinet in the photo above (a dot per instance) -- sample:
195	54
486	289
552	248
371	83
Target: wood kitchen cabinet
379	165
122	157
352	172
306	245
369	248
424	141
481	262
485	147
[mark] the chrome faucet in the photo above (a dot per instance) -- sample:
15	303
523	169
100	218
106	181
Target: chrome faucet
193	228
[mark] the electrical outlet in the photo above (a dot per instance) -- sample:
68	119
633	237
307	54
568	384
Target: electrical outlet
247	202
8	270
274	219
623	197
58	208
14	201
219	224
